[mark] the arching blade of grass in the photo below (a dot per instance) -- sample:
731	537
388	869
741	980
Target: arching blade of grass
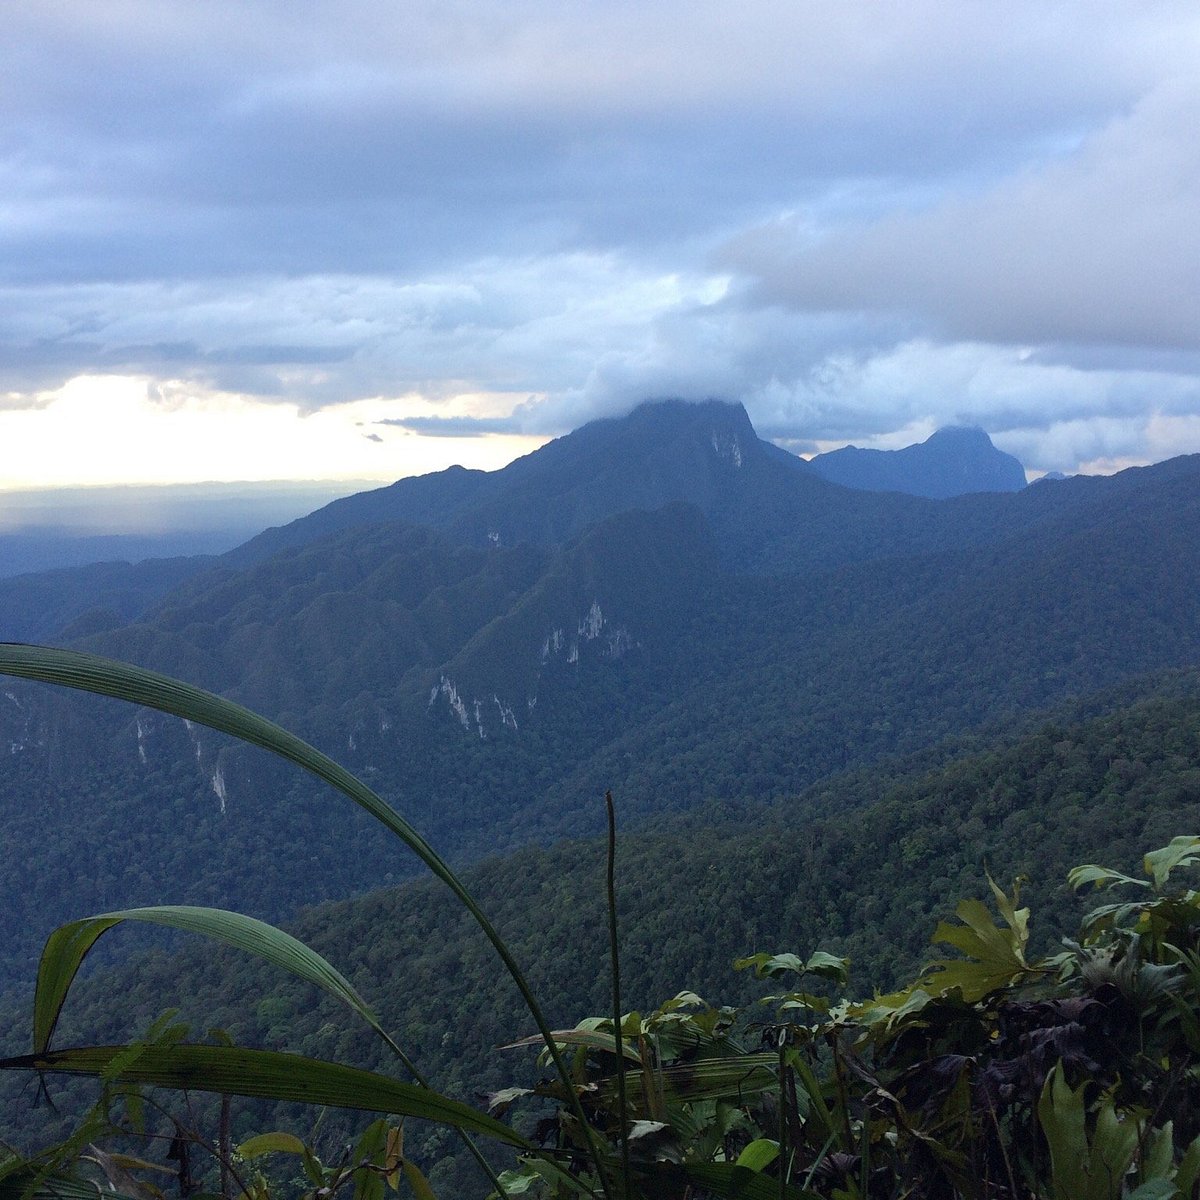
267	1075
107	677
69	944
732	1182
28	1183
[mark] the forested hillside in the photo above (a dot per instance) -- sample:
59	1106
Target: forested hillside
864	865
492	692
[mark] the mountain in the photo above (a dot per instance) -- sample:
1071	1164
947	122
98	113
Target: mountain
759	630
768	511
952	462
660	453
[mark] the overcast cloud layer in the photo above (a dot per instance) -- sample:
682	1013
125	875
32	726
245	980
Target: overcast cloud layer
861	220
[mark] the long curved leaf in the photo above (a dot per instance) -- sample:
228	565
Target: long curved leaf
107	677
709	1079
267	1075
733	1182
68	945
591	1038
31	1184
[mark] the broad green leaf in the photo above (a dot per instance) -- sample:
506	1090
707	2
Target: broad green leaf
682	1000
271	1143
1017	919
518	1182
130	1162
1156	1189
768	966
1081	1169
1107	916
1158	1157
1102	877
499	1102
371	1148
828	966
119	1176
419	1184
269	1075
889	1010
1179	852
535	1172
68	945
798	1001
994	956
1188	1173
820	963
759	1155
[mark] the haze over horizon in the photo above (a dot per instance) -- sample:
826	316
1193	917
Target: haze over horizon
300	244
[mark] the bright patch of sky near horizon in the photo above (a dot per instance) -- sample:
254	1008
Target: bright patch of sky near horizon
287	241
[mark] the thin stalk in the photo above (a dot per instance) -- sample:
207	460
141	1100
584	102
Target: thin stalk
225	1146
108	677
466	1139
622	1107
782	1117
865	1154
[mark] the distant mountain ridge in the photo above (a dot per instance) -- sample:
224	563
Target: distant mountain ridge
662	452
768	509
954	461
671	607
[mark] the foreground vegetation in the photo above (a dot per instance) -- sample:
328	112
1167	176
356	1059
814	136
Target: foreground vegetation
995	1073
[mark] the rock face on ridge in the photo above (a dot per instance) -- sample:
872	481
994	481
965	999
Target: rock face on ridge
952	462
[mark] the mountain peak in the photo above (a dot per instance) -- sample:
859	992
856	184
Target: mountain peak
960	434
669	419
952	461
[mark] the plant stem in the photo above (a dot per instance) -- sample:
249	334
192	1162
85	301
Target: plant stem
622	1106
782	1117
226	1149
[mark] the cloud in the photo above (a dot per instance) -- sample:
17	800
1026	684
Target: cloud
455	426
861	220
1098	249
517	326
152	141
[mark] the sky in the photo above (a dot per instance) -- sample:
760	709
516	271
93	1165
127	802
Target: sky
306	241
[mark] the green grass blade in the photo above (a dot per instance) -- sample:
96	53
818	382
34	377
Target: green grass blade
107	677
34	1185
731	1182
593	1039
68	945
268	1075
707	1079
